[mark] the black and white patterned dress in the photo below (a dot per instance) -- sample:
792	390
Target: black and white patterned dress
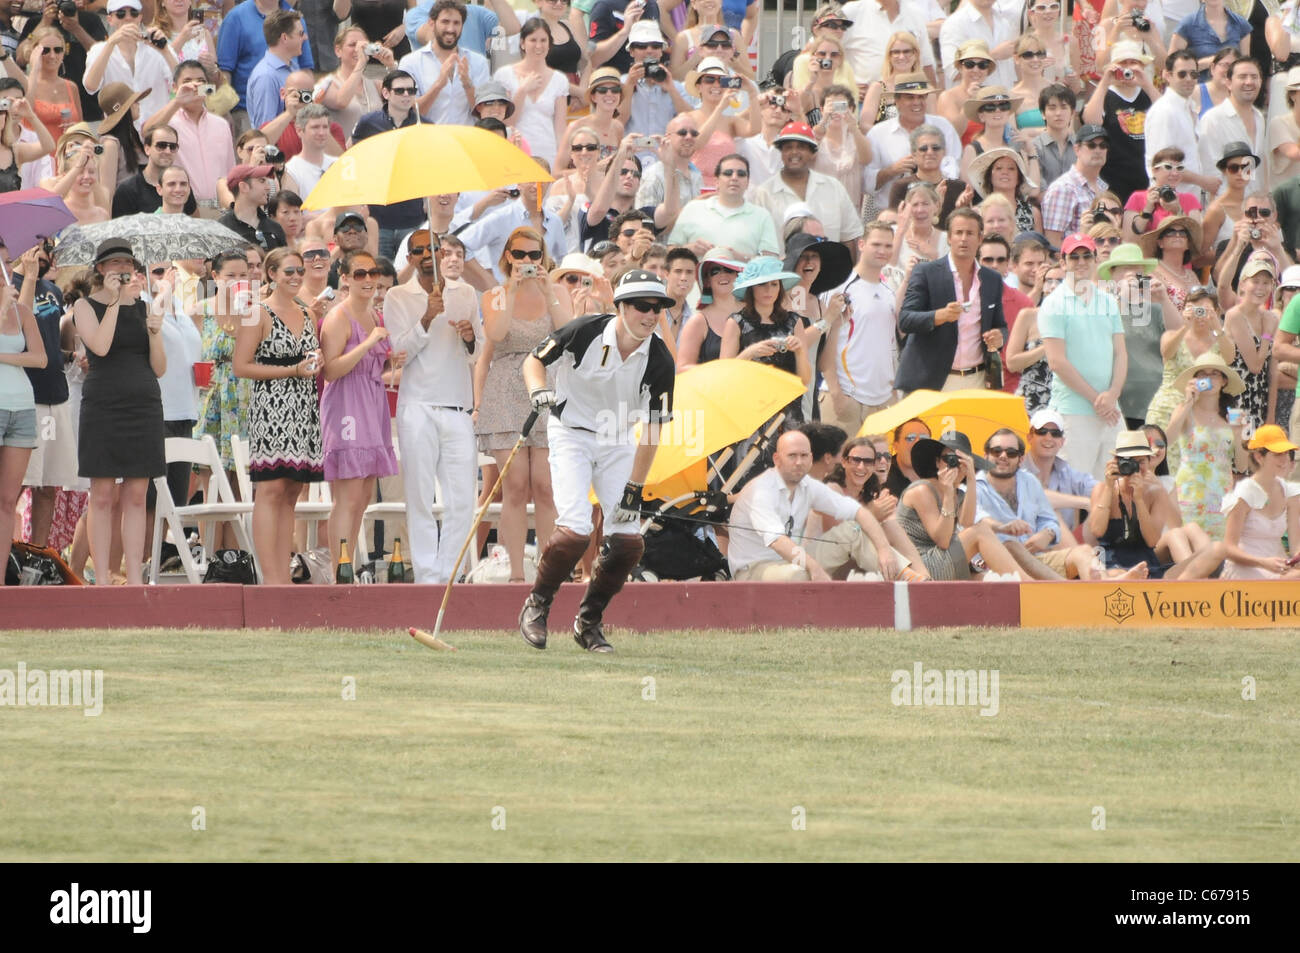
284	417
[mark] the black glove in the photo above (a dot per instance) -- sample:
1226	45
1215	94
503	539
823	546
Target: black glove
716	505
629	507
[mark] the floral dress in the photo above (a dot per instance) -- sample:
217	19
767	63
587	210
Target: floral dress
1035	382
223	411
1204	477
1167	397
1254	399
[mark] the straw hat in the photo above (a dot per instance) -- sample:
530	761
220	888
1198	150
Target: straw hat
1149	238
1133	443
984	161
974	49
990	95
913	84
1215	362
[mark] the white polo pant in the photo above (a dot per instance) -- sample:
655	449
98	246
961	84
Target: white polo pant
1089	442
581	460
436	442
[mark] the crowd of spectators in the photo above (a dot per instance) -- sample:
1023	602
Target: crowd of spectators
1096	209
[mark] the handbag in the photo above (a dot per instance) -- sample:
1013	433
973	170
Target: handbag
231	566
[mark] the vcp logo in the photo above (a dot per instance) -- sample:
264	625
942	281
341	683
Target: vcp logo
1119	606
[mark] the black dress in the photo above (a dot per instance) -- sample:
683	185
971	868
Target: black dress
564	57
784	324
121	404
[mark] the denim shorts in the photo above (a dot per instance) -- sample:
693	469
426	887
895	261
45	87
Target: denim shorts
18	428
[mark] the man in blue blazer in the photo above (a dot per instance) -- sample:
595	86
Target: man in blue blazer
947	333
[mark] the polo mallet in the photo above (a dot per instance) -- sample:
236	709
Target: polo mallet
431	639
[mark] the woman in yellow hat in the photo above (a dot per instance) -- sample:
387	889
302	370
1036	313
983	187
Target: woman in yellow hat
1261	508
1209	442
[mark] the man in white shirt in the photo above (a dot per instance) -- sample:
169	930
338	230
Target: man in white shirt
765	158
437	324
977	20
726	218
445	74
860	358
767	522
892	144
796	182
106	61
303	171
1236	120
1171	121
873	23
485	240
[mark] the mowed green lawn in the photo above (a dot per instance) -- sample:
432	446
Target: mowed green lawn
744	730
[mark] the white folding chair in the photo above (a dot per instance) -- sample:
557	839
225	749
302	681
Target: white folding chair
219	506
314	510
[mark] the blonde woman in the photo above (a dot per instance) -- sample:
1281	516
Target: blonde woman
719	131
705	34
918	237
15	154
1042	21
346	92
517	315
999	216
826	26
1031	68
189	38
902	55
569	196
54	98
76	180
820	78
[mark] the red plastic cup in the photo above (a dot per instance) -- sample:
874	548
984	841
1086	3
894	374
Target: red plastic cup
202	373
392	401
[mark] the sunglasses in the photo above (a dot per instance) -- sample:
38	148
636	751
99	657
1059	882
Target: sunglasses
1096	144
993	260
1009	452
606	90
861	461
1176	233
1049	432
158	272
361	274
929	148
572	279
717	45
124	13
319	253
585	146
1033	55
634	47
293	270
1184	74
632	172
1259	213
985	65
1239	166
1108	242
1169	167
51	49
407	91
646	307
693	133
736	173
629	232
1083	255
518	254
350	227
996	108
1046	8
166	146
717	270
419	250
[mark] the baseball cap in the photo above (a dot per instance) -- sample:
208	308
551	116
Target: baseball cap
796	132
1090	132
1290	277
1077	240
242	172
645	31
1257	262
1271	437
114	5
1046	417
345	217
637	284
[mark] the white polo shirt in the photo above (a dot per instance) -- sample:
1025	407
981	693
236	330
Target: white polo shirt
866	347
767	510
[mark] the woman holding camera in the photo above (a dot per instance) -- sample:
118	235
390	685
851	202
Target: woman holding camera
1174	244
77	180
1252	325
718	131
766	331
182	24
121	431
14	154
1237	164
902	55
277	348
1261	508
346	92
1209	444
517	316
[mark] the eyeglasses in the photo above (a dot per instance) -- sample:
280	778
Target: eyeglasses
645	307
125	12
1112	242
985	65
1184	74
993	260
632	172
166	146
929	148
634	47
1258	212
737	173
51	49
1169	167
996	108
1082	255
693	133
1096	144
1239	166
361	274
902	51
1049	432
584	147
318	253
1033	55
518	254
1009	452
408	91
292	270
861	461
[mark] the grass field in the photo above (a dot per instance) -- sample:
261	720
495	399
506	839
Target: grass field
744	729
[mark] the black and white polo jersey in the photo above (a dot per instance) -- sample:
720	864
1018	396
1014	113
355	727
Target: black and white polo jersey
595	388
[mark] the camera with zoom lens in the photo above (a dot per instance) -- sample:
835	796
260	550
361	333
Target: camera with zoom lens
653	70
1167	194
826	64
158	40
1141	23
273	154
305	97
67	8
1126	466
951	459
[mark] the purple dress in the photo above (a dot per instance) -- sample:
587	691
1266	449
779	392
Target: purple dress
354	417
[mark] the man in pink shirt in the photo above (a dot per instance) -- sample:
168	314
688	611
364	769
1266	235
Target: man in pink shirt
206	150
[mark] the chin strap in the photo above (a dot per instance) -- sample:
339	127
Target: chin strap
632	334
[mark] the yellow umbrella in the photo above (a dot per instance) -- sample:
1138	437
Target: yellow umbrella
422	160
977	413
714	405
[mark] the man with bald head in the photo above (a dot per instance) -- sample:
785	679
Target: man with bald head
296	93
768	520
674	153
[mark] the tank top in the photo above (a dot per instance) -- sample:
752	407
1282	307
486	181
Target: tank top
15	386
565	56
59	117
11	180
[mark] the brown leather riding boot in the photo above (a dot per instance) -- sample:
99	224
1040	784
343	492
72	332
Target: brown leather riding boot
562	552
618	556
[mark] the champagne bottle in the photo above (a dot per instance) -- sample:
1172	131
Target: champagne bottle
343	573
396	565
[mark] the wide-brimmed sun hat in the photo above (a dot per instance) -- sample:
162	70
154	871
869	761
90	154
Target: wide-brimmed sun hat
1127	255
984	161
990	96
837	263
116	100
927	451
1215	362
1133	443
1149	238
761	270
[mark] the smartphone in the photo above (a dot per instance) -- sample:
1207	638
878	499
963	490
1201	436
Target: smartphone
730	82
644	142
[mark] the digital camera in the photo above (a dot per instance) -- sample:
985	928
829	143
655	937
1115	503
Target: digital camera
644	142
1255	234
1141	23
778	100
526	271
1126	466
730	82
1167	194
207	89
372	49
951	459
305	96
653	70
67	8
826	64
1203	384
273	155
158	40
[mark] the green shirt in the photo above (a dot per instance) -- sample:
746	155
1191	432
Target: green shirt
1291	321
1088	326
